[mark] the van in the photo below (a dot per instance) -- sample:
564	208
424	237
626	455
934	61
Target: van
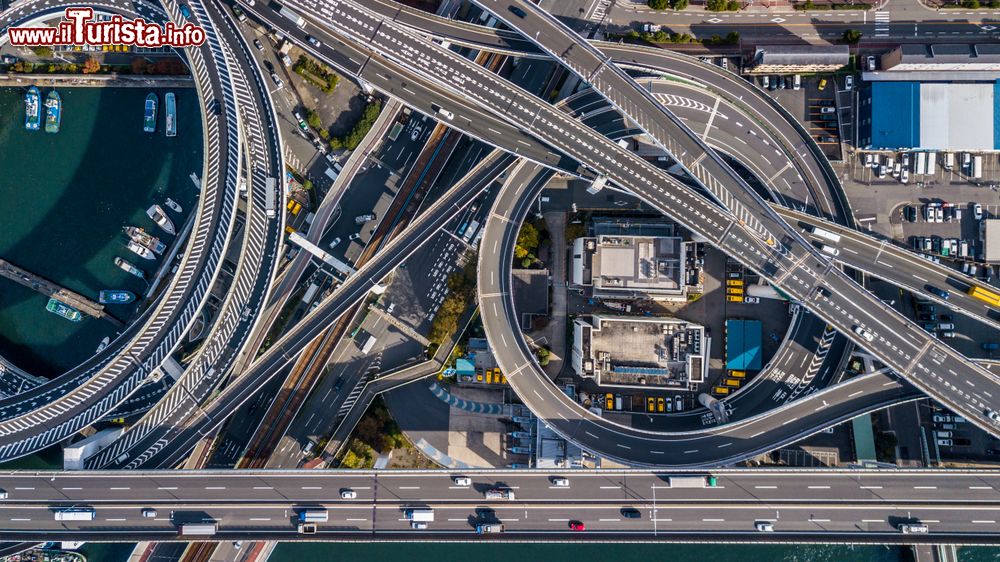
830	250
734	298
738	374
720	391
618	401
911	528
735	383
942	434
946	326
734	291
797	84
734	282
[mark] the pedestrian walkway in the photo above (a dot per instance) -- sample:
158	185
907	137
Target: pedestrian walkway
468	405
881	24
442	459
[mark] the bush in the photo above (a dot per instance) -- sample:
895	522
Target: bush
319	75
314	120
851	36
44	52
679	4
543	355
722	5
658	4
354	137
527	241
90	66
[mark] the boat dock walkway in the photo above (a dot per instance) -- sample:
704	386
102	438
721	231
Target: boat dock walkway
50	289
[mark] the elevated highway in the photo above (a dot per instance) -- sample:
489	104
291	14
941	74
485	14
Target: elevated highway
59	408
761	242
959	507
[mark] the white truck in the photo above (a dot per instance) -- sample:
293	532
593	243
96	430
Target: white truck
314	515
269	197
419	514
826	234
692	481
198	529
369	344
294	17
499	494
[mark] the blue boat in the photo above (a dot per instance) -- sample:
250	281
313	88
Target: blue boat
115	297
171	114
32	109
149	118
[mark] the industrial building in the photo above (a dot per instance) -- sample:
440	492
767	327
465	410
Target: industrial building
991	240
743	345
935	116
622	266
640	352
792	59
915	57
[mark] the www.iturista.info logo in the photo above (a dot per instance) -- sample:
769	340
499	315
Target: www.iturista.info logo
79	28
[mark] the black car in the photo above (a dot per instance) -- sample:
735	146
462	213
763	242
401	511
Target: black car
631	513
910	213
268	65
518	12
939	292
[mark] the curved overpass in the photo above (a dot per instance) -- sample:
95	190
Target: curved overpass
57	409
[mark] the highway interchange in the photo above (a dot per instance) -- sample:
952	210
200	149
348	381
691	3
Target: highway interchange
723	208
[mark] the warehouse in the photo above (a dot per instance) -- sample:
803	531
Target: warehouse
743	345
929	116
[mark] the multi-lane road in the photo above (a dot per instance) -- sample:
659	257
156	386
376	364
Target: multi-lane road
802	505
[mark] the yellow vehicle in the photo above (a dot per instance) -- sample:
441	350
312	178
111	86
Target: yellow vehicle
503	379
720	391
738	374
822	84
734	291
660	405
489	377
650	404
735	383
610	401
289	230
479	377
734	298
734	282
985	295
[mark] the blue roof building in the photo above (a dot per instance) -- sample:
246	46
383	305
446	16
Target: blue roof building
743	345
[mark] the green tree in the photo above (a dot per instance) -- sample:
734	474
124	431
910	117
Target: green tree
658	4
527	240
44	52
851	36
543	356
313	119
307	185
679	4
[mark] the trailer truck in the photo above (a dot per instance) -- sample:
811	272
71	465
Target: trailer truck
294	17
75	514
692	481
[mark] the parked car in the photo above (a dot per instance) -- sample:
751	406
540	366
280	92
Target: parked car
258	44
977	211
849	82
870	60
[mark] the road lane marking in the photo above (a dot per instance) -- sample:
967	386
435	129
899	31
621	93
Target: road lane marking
819	487
766	487
925	487
870	487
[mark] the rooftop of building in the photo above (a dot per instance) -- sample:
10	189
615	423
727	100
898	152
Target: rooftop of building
638	263
991	240
802	55
945	53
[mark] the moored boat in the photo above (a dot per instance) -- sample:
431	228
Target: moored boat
145	239
68	312
128	267
171	104
104	344
115	296
156	213
140	251
32	109
53	112
174	206
149	116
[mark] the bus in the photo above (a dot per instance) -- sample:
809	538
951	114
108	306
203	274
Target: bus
826	234
75	514
989	297
269	195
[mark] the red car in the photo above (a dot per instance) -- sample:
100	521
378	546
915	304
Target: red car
577	526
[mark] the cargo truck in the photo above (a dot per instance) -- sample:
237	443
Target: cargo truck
314	515
269	197
294	17
419	514
826	234
489	528
692	481
499	494
200	529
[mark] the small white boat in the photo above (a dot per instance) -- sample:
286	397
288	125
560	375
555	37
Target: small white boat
140	251
159	217
174	206
104	344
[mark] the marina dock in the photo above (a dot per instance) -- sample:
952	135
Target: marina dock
50	289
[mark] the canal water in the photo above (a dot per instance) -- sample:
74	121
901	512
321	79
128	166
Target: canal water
64	199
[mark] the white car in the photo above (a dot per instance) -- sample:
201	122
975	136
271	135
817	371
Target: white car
993	415
977	211
849	82
944	442
764	526
871	63
348	494
462	481
418	525
335	242
149	513
751	300
559	482
314	41
868	336
415	134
